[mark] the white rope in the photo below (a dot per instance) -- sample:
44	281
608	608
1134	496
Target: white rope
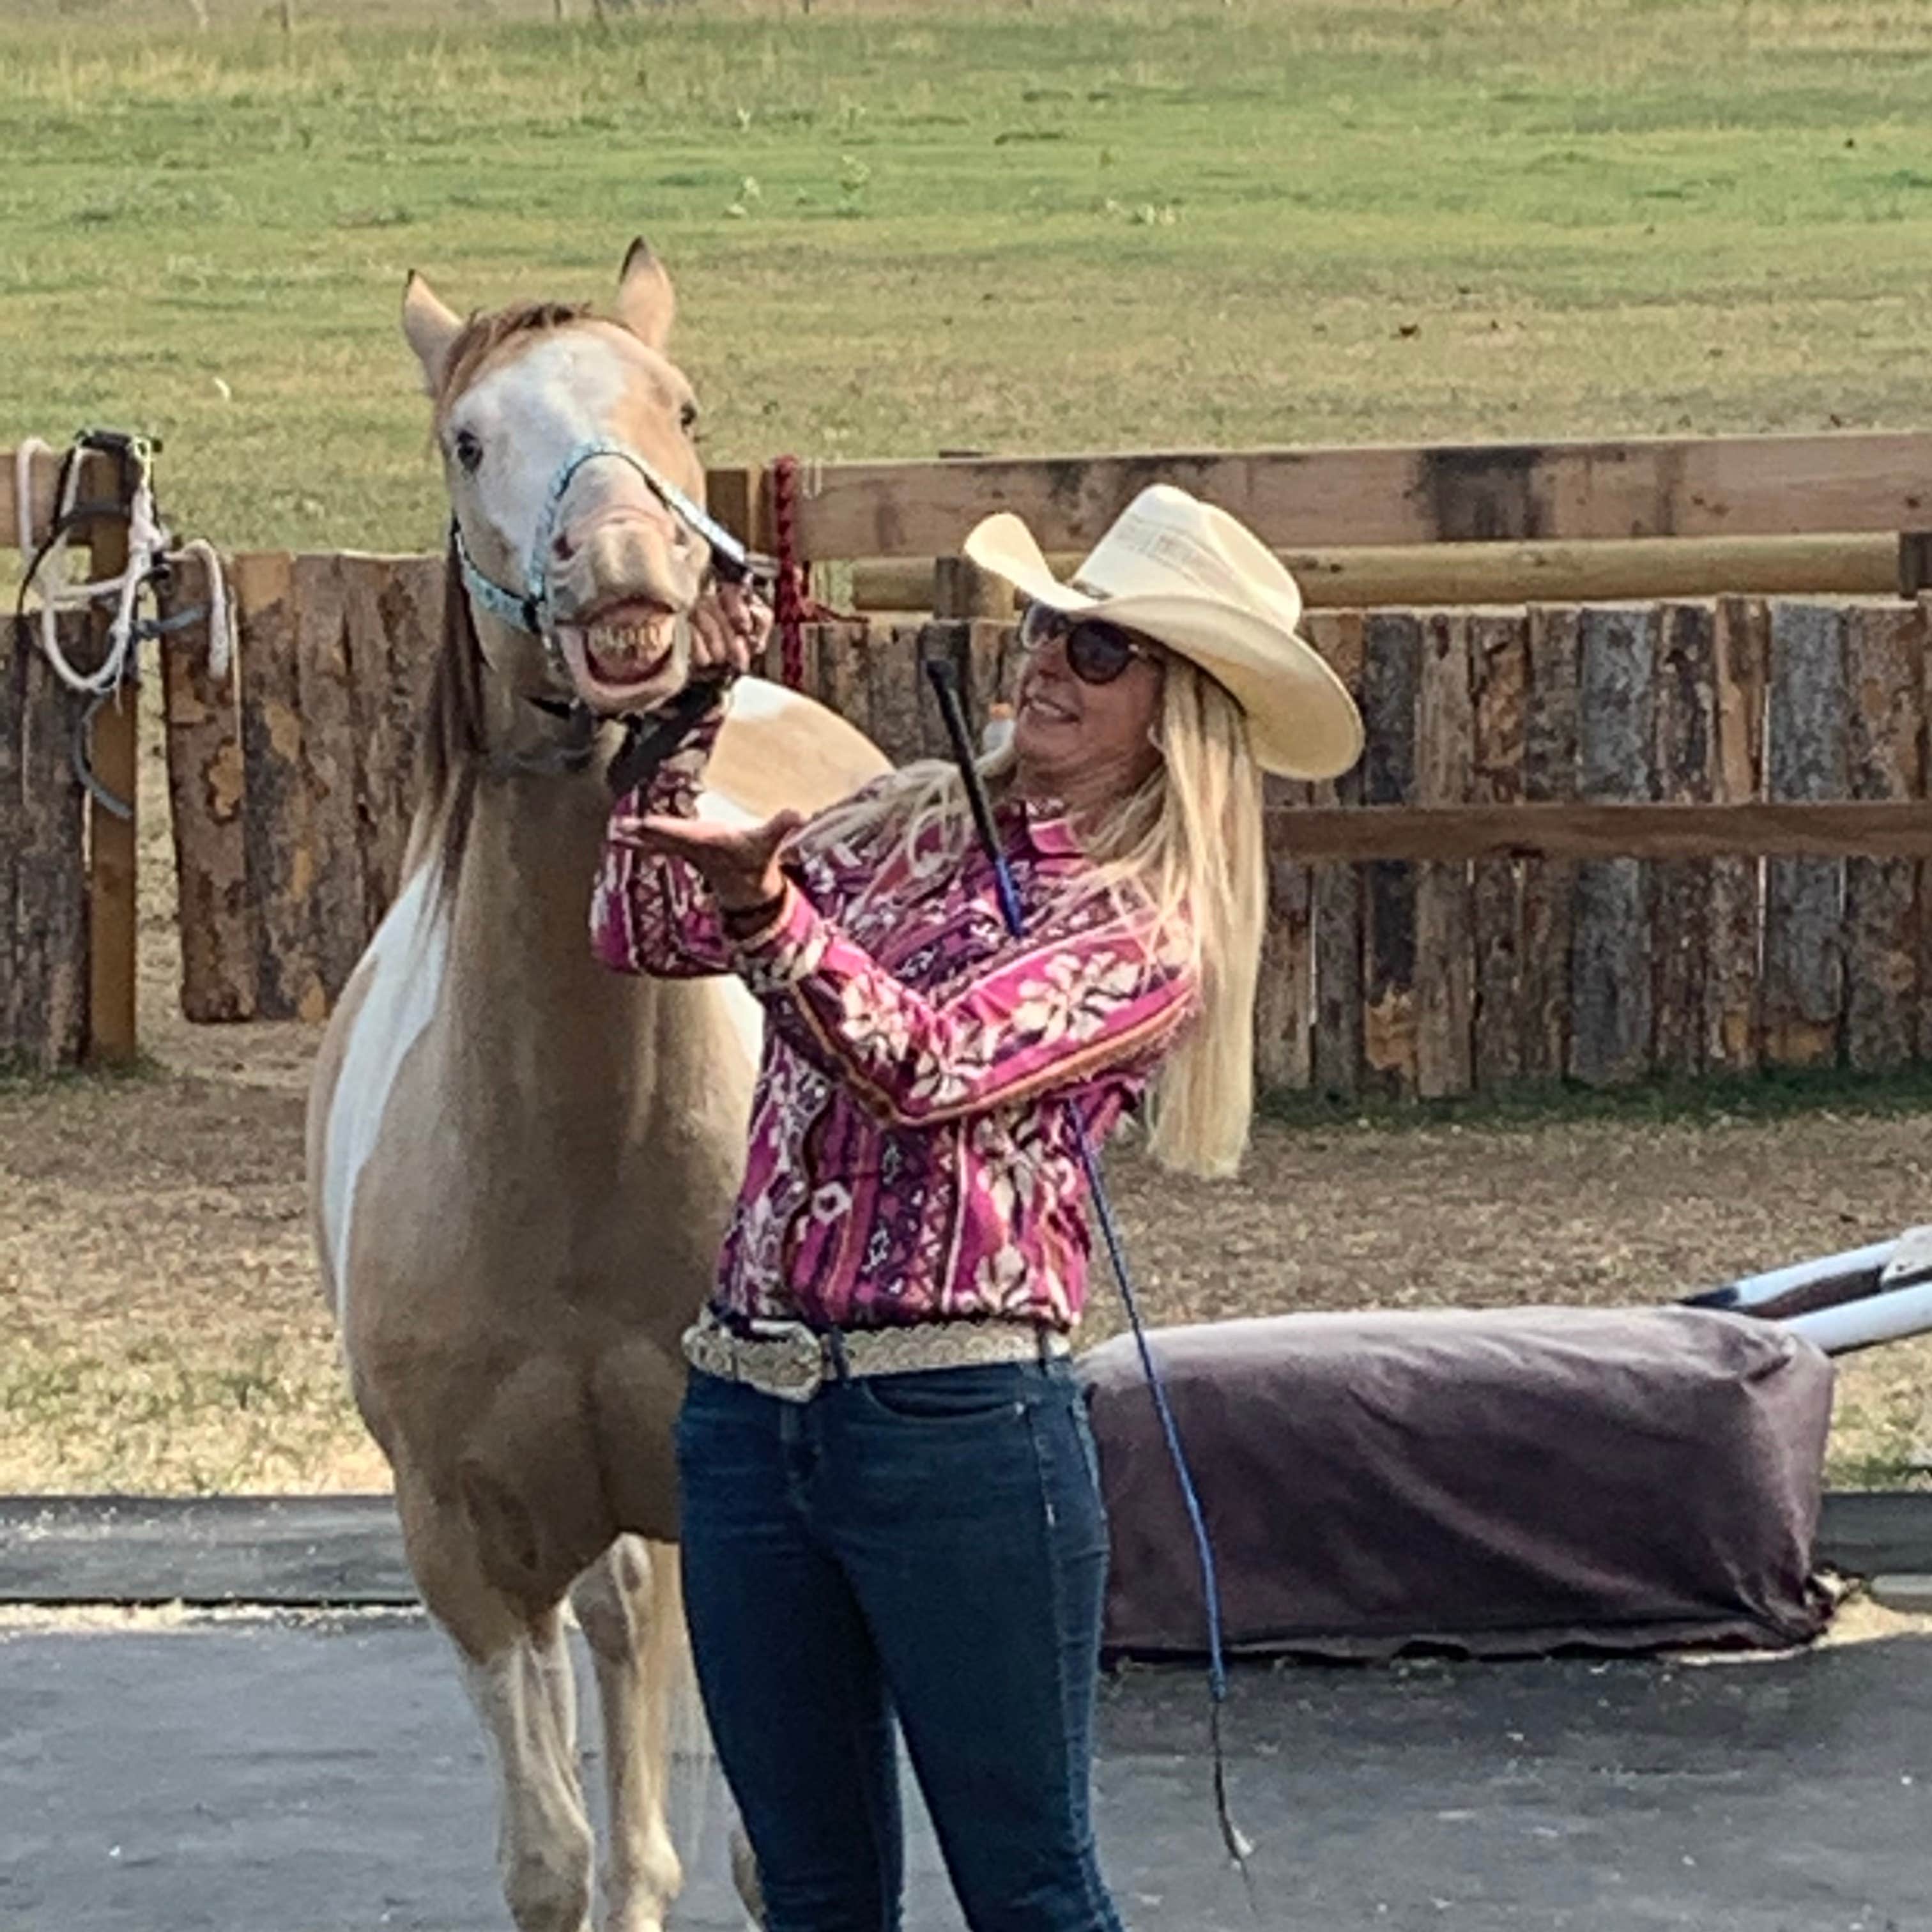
149	547
221	634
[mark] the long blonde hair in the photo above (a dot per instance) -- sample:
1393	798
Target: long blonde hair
1189	843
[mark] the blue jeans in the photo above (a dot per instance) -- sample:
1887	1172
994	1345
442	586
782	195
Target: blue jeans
930	1545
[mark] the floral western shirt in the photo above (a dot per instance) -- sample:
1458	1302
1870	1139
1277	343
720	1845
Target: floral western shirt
912	1152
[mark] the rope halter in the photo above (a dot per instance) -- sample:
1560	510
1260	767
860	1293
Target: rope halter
534	612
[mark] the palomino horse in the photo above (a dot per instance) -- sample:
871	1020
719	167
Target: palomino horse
520	1165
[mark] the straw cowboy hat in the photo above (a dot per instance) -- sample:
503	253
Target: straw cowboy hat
1188	575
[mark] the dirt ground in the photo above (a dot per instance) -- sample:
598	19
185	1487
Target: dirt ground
161	1330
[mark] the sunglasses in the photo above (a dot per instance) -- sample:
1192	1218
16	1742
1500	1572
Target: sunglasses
1097	652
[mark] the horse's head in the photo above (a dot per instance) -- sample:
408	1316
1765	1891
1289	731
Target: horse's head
538	410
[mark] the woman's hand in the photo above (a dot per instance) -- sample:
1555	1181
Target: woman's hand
740	862
729	626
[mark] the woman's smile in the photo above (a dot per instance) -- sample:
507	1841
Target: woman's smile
1045	707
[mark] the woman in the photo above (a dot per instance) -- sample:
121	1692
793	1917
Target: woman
890	1501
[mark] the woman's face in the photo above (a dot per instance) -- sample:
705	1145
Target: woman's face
1083	742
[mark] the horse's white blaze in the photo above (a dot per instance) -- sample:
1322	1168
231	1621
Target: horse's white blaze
531	414
406	962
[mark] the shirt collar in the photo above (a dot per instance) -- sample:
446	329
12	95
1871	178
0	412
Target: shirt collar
1044	825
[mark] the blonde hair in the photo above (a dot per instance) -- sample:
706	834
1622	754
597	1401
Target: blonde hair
1188	843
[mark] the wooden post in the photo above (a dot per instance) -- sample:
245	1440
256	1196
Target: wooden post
1609	969
44	988
1445	992
206	796
1498	680
1336	895
892	669
112	917
1549	885
1682	893
325	672
963	590
1806	739
731	495
1733	986
278	839
1283	1038
1885	665
1391	673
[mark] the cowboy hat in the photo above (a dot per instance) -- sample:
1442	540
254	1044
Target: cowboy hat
1188	575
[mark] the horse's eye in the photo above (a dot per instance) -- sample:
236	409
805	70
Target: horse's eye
468	450
687	418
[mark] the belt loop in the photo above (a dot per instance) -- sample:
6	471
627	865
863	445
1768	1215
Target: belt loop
833	1343
1042	1337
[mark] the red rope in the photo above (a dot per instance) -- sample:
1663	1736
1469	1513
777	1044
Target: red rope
793	604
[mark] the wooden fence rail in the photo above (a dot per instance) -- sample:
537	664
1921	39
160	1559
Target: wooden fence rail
1650	516
1592	842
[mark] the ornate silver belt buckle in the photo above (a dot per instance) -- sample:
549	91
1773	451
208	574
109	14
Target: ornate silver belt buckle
790	1361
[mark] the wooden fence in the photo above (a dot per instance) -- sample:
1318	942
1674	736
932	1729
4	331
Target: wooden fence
1847	513
290	783
1591	842
1587	840
66	870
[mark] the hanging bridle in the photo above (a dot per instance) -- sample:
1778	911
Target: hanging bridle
649	737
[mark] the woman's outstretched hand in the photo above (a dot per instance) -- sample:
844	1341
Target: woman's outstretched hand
740	862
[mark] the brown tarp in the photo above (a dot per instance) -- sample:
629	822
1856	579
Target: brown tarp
1496	1482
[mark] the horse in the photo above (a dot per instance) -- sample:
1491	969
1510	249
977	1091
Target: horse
520	1165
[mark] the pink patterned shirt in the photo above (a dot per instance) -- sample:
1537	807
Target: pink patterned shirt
912	1156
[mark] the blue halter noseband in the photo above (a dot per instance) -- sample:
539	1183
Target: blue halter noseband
532	611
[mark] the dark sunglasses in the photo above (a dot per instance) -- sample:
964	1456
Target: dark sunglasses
1097	652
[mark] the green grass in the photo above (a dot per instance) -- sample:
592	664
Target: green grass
899	228
1776	1094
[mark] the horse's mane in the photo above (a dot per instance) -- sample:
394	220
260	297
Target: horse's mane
454	746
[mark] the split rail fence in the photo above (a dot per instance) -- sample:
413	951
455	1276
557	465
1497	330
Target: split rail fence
1672	834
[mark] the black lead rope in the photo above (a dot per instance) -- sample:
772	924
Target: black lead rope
946	689
651	737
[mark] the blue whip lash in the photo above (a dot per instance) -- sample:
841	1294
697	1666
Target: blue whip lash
946	688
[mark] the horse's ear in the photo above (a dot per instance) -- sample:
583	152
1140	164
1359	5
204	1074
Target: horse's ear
431	328
646	304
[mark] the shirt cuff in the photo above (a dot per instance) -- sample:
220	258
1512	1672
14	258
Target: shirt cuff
785	950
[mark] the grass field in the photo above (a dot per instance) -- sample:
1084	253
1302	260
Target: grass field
897	228
1076	224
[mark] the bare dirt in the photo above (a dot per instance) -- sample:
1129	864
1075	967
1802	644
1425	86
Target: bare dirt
161	1330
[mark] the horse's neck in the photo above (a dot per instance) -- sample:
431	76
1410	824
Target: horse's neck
540	1025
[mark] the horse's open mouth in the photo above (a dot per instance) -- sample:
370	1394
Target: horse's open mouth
620	652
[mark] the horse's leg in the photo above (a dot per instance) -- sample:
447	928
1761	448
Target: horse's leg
543	1837
516	1667
629	1603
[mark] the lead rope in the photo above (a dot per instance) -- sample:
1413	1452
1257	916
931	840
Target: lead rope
946	689
150	551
